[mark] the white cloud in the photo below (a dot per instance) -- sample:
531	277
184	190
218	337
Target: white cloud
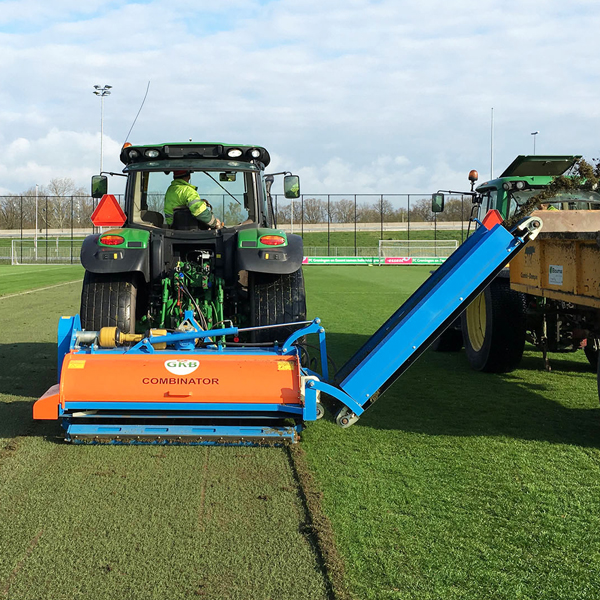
358	93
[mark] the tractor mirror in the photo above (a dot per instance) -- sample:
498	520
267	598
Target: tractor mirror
227	176
99	186
437	203
291	186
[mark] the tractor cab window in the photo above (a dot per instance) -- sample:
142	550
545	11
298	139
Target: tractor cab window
488	201
230	194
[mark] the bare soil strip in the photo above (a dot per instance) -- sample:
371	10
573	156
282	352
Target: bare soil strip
318	528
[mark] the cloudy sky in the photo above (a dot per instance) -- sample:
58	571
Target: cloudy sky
356	96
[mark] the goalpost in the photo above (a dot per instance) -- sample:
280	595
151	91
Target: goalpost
416	248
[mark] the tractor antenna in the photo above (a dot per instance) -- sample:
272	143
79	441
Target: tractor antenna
138	113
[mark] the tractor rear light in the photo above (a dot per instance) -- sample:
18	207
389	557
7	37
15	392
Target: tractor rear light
112	240
272	240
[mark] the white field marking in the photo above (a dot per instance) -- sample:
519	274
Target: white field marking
40	289
56	268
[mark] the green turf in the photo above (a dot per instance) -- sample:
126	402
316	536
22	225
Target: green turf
108	522
458	484
17	279
454	485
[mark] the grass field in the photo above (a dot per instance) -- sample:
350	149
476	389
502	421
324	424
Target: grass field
454	485
458	484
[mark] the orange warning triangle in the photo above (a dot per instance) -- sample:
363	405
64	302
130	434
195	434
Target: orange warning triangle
492	218
108	213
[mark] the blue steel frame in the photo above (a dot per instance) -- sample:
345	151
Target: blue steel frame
417	323
386	355
124	411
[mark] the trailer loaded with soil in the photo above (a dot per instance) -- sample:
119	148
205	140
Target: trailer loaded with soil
549	295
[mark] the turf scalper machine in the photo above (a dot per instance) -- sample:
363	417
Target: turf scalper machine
196	385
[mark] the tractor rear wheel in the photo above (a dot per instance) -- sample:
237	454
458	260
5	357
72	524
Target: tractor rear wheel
494	327
109	300
276	299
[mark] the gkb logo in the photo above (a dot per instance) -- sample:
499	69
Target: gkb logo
181	366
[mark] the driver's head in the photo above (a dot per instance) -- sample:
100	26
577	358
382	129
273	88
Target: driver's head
182	174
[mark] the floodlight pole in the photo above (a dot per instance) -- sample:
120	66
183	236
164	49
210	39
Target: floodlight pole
102	91
36	222
534	134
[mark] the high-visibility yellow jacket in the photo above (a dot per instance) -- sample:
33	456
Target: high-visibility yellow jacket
181	194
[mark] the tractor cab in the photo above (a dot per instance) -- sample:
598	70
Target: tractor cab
522	179
229	178
152	266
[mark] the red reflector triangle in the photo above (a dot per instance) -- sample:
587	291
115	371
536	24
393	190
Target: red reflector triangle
492	219
108	213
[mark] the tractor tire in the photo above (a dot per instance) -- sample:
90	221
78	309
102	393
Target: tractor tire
276	299
109	300
494	327
591	354
598	375
450	340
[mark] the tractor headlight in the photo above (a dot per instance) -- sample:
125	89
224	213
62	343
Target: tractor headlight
234	153
255	153
133	154
152	153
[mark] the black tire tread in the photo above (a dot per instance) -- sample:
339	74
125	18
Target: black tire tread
108	300
504	341
450	340
276	299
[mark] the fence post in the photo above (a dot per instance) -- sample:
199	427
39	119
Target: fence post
46	229
302	216
381	215
355	215
328	228
21	230
72	217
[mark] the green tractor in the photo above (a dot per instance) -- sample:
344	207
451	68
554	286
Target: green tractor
496	325
146	274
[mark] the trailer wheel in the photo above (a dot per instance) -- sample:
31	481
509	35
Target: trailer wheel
109	300
591	354
494	327
276	299
450	340
598	375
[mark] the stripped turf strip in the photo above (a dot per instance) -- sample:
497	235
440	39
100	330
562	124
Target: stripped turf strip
138	522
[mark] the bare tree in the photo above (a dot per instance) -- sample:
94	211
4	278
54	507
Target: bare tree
343	211
315	211
420	210
61	206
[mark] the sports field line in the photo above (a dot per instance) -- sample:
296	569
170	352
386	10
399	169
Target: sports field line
49	287
56	268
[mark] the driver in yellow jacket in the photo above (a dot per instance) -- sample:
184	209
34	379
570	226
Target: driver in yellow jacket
182	194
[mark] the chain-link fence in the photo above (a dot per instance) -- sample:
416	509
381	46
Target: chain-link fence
50	228
358	221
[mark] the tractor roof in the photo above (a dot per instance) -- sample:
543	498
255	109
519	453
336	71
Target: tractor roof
194	151
536	165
